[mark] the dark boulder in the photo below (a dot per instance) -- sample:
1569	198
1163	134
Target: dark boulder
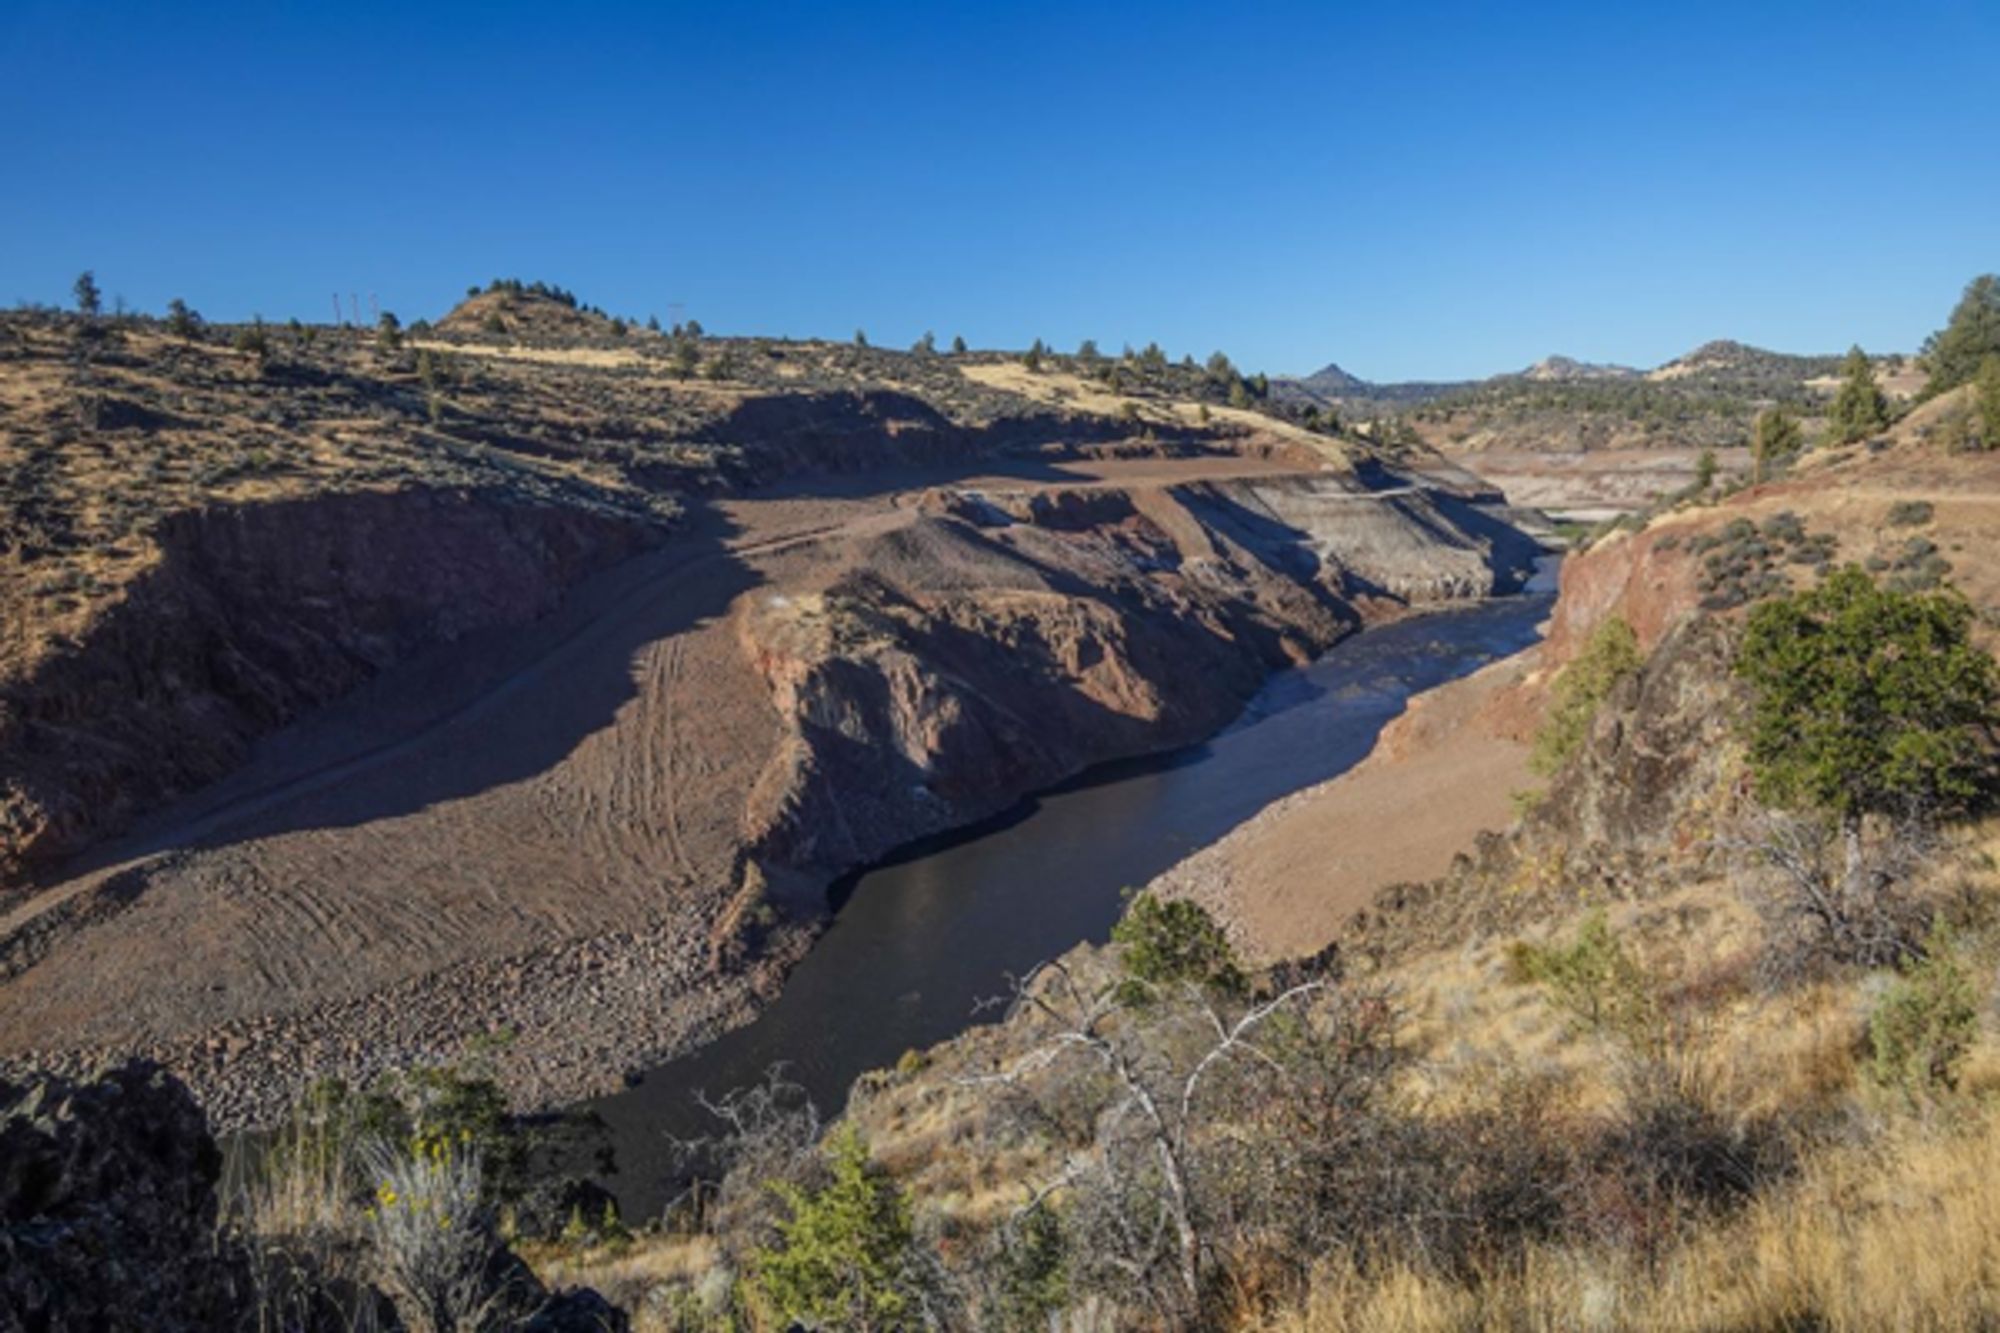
109	1221
108	1209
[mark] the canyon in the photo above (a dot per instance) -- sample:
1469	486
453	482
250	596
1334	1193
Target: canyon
345	780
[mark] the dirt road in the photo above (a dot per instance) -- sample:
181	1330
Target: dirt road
501	832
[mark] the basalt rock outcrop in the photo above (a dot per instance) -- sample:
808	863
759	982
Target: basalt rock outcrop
108	1208
109	1221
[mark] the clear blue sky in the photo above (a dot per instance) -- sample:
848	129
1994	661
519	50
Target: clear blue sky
1414	191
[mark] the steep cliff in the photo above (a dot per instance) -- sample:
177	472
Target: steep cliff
248	616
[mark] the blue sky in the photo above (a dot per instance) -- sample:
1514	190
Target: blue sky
1414	191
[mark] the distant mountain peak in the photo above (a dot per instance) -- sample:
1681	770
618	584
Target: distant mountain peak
1569	368
1330	378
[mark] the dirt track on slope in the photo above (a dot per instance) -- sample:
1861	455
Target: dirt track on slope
540	831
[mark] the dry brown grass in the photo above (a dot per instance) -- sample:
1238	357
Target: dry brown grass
641	1277
1901	1234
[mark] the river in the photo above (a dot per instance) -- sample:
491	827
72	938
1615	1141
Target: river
920	939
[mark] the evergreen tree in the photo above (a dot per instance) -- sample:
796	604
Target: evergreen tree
1777	438
1220	368
686	356
843	1257
1032	358
693	330
389	330
253	339
1867	702
182	322
958	346
860	338
88	300
1953	354
1086	351
926	345
1987	396
1859	409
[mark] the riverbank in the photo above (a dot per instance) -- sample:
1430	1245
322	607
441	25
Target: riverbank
1283	883
925	937
610	838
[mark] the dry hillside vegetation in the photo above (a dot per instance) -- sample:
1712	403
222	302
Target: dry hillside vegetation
1596	1075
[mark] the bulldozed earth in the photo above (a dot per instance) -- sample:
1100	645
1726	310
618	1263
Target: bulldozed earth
366	699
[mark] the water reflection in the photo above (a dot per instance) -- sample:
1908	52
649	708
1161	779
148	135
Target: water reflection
920	939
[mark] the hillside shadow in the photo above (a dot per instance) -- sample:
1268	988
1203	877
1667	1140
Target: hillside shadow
497	706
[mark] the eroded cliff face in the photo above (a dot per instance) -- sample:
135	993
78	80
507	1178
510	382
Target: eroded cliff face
251	615
617	846
1004	642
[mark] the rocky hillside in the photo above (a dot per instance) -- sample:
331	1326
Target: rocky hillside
1593	1073
546	686
149	472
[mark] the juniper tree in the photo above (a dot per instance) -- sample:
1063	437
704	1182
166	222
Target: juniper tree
88	299
1867	703
182	322
1859	409
686	357
1955	353
1987	396
844	1257
253	339
1777	437
958	346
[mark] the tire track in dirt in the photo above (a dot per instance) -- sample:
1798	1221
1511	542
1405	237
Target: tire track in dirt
670	661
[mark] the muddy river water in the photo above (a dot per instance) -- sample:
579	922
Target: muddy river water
919	940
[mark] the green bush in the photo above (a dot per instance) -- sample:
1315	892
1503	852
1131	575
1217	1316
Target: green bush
1924	1023
1909	513
1592	978
253	339
844	1256
1868	700
1609	655
1163	941
1033	1279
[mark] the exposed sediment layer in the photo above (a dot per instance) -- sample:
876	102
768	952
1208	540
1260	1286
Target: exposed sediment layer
614	827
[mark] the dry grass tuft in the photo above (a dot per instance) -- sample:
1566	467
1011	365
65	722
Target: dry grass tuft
1903	1233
